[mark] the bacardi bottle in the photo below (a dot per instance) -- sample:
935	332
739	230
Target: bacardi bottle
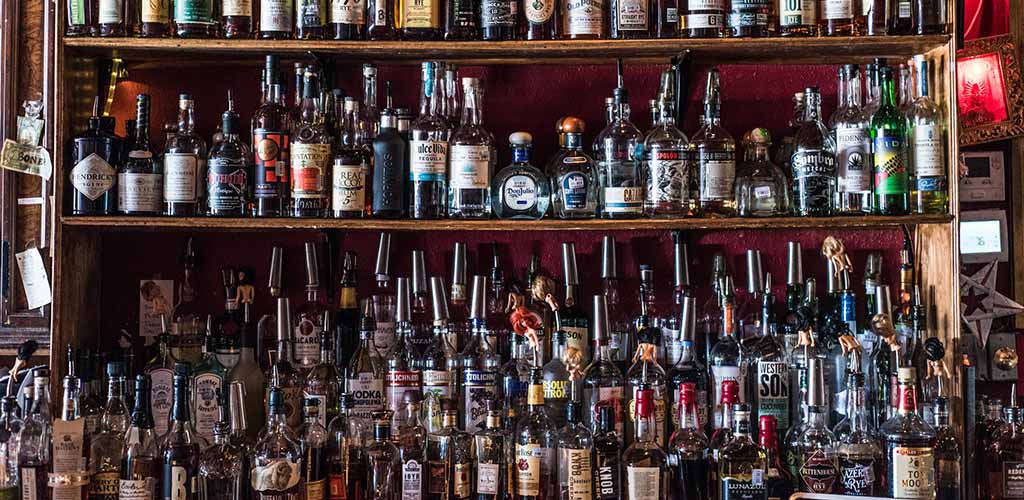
308	321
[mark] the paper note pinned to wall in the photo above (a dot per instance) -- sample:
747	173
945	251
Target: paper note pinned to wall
33	278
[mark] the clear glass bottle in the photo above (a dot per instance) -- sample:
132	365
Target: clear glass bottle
689	369
726	359
480	365
573	174
861	461
346	459
535	446
322	380
618	165
383	463
219	466
276	468
310	152
928	147
575	321
412	440
428	151
646	465
184	164
889	146
439	362
106	446
647	373
817	466
351	197
813	162
768	365
161	372
761	186
556	382
180	447
250	375
667	159
688	448
364	377
489	453
603	384
313	445
139	458
949	457
854	166
449	456
383	301
575	441
472	159
399	371
742	464
520	190
714	151
909	445
10	427
283	375
34	439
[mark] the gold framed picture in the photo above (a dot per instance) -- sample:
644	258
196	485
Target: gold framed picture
990	96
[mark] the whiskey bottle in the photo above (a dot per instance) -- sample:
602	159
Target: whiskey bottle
542	20
399	375
428	155
35	439
860	454
106	446
346	319
81	18
535	446
480	363
630	19
270	144
798	18
345	453
322	380
229	170
412	450
276	471
90	405
573	174
439	363
313	445
665	19
209	388
619	168
449	458
352	159
180	447
498	20
154	17
575	477
1004	449
184	164
140	179
928	146
283	376
520	190
472	159
236	18
778	482
461	20
249	374
818	469
420	20
584	20
949	455
389	165
910	445
69	446
194	19
381	20
761	187
876	16
607	455
750	19
161	372
489	450
769	369
714	150
645	462
276	19
726	357
139	458
889	146
688	447
346	20
667	160
310	154
575	322
853	147
838	18
310	19
689	369
96	158
705	18
742	463
111	18
602	380
813	162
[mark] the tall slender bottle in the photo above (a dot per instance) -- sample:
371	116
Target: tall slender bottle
308	320
541	20
459	330
276	468
714	150
364	377
250	375
647	374
270	145
480	364
180	447
575	322
389	166
346	319
428	151
854	166
350	197
208	389
618	332
34	452
607	464
310	154
818	468
688	448
769	368
345	457
689	369
383	299
283	374
645	462
726	360
184	164
813	162
139	459
928	146
321	382
535	447
603	384
490	448
161	372
619	168
472	159
399	373
667	160
439	364
889	146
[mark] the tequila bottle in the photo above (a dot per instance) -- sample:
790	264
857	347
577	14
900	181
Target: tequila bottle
666	159
364	376
489	453
520	190
616	150
449	458
645	462
853	147
399	373
184	164
139	458
910	446
472	159
535	446
310	151
742	464
573	174
603	384
689	369
428	151
889	146
688	448
714	150
928	147
276	469
761	189
813	162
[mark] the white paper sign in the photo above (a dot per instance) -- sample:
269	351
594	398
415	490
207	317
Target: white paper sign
33	278
155	298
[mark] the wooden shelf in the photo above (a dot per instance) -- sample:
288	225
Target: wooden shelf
824	50
119	223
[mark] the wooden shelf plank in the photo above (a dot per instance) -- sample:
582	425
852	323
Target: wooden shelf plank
825	50
120	223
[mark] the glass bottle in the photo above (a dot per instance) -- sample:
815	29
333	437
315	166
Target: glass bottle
345	453
778	481
798	18
853	147
219	466
813	162
542	20
646	465
742	463
236	18
769	368
665	19
70	442
439	363
607	456
520	190
10	426
154	17
349	196
194	19
322	380
229	170
573	173
283	375
910	445
750	19
347	20
838	18
575	477
389	166
140	179
276	468
365	375
535	446
480	365
461	20
557	391
313	445
106	446
761	189
489	449
860	456
630	18
889	146
498	20
666	159
310	152
575	322
399	373
250	375
688	448
184	164
419	20
646	372
310	19
584	20
180	447
412	440
949	455
603	383
619	169
817	465
714	150
726	359
161	372
270	145
139	458
383	463
82	18
308	322
722	434
95	157
927	16
472	159
428	151
689	369
208	388
705	19
276	19
449	456
34	440
882	371
381	18
619	329
928	148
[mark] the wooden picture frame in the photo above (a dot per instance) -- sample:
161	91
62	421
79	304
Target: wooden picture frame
990	94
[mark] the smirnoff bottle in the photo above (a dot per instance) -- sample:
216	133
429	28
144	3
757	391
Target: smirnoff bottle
813	162
399	375
742	463
909	446
689	369
688	448
645	461
619	168
602	381
853	146
428	151
535	445
714	150
666	159
364	377
383	300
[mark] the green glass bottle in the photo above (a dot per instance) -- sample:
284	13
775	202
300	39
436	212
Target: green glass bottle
889	143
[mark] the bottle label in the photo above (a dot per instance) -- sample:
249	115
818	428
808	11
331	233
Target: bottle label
693	5
576	463
68	453
717	175
660	415
412	480
321	405
421	14
276	15
160	397
584	17
180	171
913	472
890	163
270	158
577	337
748	19
857	476
93	176
276	476
310	14
348	12
103	485
306	339
470	167
718	375
698	21
644	483
193	11
227	184
236	8
528	469
929	151
607	483
316	490
208	389
292	406
140	192
606	396
384	338
367	395
575	186
396	383
478	387
309	162
348	187
667	179
462	486
904	9
797	13
623	200
632	15
486	479
497	13
818	472
178	481
773	391
337	485
1013	479
519	192
428	160
437	385
539	11
153	11
111	12
814	172
28	484
853	160
738	489
838	9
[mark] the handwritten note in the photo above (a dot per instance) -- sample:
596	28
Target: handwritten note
33	278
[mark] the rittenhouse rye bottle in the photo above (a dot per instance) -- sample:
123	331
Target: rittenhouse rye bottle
310	154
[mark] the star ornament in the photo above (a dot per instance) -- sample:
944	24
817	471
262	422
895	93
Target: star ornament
980	303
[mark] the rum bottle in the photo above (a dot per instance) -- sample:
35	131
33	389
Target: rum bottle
180	447
310	19
688	447
236	18
276	19
798	17
714	150
270	146
194	19
742	463
140	179
309	319
230	170
96	158
645	462
520	190
473	157
352	159
389	166
853	147
139	458
535	446
619	168
631	19
276	468
667	159
428	155
705	18
889	146
573	174
310	154
910	445
928	147
607	465
489	450
34	452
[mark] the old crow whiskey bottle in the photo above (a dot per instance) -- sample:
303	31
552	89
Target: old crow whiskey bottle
310	153
607	465
276	472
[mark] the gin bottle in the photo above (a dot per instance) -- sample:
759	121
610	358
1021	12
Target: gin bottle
573	174
184	164
889	146
520	190
94	158
535	446
209	390
853	147
219	467
603	384
428	151
928	146
645	462
714	150
813	162
666	159
310	153
472	159
616	150
761	189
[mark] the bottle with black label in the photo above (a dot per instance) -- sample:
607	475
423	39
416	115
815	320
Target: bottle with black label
607	465
94	158
742	463
498	19
140	180
180	447
229	170
813	162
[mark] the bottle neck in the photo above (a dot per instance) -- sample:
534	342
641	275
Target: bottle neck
520	154
142	417
853	99
922	79
186	117
908	399
472	111
72	394
369	92
114	386
666	114
180	410
276	418
432	95
812	107
888	91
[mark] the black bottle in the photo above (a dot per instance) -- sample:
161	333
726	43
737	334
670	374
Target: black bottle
607	465
94	157
390	173
229	170
179	453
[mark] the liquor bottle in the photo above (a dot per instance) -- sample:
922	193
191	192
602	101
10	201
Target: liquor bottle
798	18
161	372
389	165
714	150
439	363
381	20
95	157
186	340
910	445
646	372
412	440
70	444
575	441
322	380
346	319
480	363
583	21
619	168
309	319
573	173
221	465
858	450
462	20
607	457
276	470
750	19
853	147
194	19
666	159
882	371
209	388
520	190
310	152
514	378
248	373
449	458
399	374
557	388
778	482
365	374
900	18
928	17
35	438
761	189
496	301
575	323
645	462
838	18
472	159
631	18
428	151
489	450
240	432
154	18
742	463
535	446
618	332
184	164
81	18
876	16
726	360
769	369
139	458
689	369
276	19
236	18
180	447
140	179
672	325
928	146
345	453
498	20
271	154
889	146
817	467
949	455
422	20
603	383
705	19
90	406
283	376
313	445
723	433
347	20
106	446
813	162
542	20
383	462
310	19
688	447
229	170
352	159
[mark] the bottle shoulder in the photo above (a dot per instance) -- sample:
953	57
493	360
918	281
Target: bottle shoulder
666	137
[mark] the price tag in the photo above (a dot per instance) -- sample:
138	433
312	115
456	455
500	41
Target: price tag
33	278
33	160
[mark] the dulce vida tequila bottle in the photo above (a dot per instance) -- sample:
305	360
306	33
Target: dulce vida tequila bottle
428	151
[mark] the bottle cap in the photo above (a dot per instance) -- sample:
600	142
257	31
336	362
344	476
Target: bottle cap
755	279
570	125
383	256
810	288
794	264
569	263
478	305
284	318
644	403
459	264
680	261
689	319
236	405
883	302
403	312
369	70
600	324
815	383
646	275
438	300
419	272
520	139
730	391
274	276
609	263
767	426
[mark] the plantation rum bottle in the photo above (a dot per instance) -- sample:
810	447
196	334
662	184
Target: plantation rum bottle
270	145
853	147
603	384
813	162
139	458
666	159
928	148
180	447
742	463
535	447
184	164
140	179
310	154
276	19
619	168
714	150
889	146
798	18
276	468
645	462
573	174
428	151
909	446
472	159
688	448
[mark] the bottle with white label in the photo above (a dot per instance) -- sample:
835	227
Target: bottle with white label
726	358
573	173
277	18
714	151
208	388
399	374
365	377
618	150
520	190
929	192
909	445
180	447
184	164
161	372
412	438
666	159
645	462
352	159
277	458
310	152
491	463
472	159
854	161
575	441
449	458
36	434
70	443
428	150
535	445
308	321
140	180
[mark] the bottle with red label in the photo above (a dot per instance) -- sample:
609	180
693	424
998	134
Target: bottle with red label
910	448
399	375
270	135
